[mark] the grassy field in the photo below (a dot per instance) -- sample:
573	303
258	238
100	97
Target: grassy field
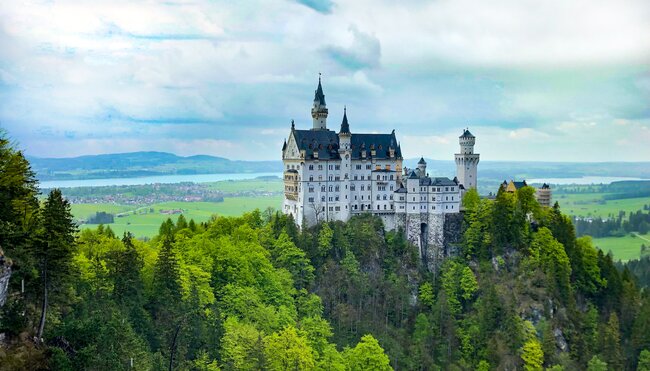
145	224
623	248
260	185
592	204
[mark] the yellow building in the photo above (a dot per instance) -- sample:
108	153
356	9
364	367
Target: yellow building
543	194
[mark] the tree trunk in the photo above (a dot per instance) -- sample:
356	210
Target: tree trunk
41	326
173	348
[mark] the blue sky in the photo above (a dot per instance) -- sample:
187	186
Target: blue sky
534	80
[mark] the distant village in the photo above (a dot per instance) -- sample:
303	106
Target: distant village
139	195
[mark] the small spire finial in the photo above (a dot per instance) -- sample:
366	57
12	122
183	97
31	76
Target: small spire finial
293	126
345	107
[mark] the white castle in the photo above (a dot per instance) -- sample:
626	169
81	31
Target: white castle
332	176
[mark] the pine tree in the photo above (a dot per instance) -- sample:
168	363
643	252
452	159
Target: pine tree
57	244
166	302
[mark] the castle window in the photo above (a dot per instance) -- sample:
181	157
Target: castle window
391	177
311	167
322	198
446	189
320	167
322	188
377	207
352	187
330	199
311	178
387	166
377	177
336	188
311	199
320	178
331	188
358	167
355	177
311	189
363	188
336	198
378	198
323	207
337	167
368	167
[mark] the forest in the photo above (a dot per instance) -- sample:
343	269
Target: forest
254	292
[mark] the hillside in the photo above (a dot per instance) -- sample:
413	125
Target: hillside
254	292
138	164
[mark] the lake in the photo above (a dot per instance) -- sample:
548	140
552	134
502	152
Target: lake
164	179
583	180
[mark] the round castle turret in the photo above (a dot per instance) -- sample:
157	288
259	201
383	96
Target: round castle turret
467	161
319	109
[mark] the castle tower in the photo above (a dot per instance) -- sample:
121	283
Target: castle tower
344	135
319	109
422	168
345	152
467	161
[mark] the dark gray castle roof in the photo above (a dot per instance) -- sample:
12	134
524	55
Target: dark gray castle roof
345	127
437	182
466	133
520	184
319	96
422	162
326	142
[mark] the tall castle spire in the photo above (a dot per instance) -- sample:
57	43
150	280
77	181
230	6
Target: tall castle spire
345	127
319	109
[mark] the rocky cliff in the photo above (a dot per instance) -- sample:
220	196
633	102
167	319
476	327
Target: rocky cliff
5	274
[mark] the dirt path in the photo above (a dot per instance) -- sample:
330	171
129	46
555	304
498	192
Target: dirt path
641	237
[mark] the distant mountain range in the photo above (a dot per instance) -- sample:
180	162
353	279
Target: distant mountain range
138	164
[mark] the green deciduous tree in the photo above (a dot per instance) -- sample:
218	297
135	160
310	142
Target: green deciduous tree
596	364
288	349
366	355
532	355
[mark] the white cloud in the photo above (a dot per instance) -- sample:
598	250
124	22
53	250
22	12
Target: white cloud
201	76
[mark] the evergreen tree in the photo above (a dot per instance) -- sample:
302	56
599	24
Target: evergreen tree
55	249
166	300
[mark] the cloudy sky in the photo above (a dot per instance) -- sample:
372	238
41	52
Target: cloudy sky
534	80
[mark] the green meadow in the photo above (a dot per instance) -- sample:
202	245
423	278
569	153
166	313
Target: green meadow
593	205
143	223
623	248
